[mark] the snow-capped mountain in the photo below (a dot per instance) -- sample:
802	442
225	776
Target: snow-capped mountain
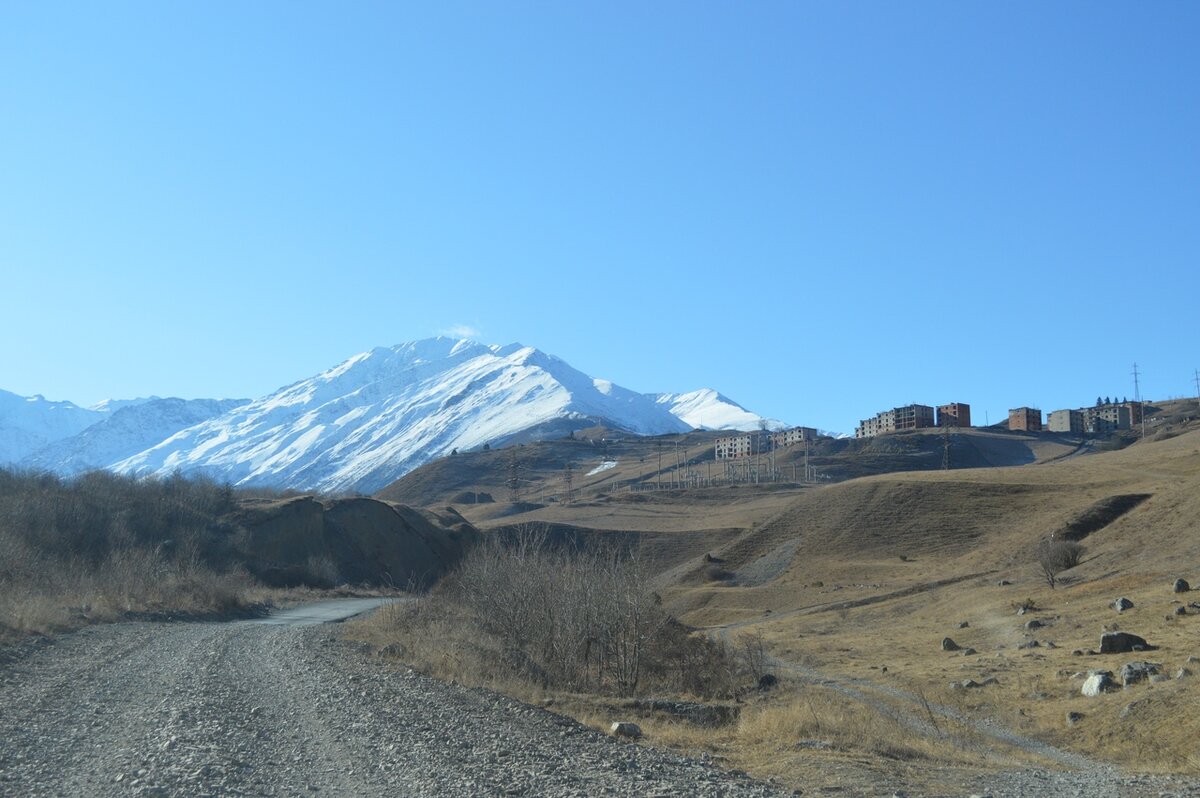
126	428
27	423
707	409
378	415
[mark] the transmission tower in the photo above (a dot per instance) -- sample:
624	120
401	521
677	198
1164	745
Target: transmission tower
1137	398
946	448
514	476
1196	373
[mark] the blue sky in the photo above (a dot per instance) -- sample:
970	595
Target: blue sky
822	210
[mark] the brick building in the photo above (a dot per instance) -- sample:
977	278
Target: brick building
1027	419
955	414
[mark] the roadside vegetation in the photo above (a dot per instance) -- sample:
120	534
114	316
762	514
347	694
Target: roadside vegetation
101	546
523	610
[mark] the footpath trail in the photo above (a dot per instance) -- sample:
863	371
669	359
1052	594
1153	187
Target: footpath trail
281	708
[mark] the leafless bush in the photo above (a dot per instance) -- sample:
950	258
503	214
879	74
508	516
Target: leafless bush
1055	556
580	618
101	544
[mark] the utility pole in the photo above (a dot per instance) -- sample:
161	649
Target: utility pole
1137	399
658	445
568	478
1196	372
946	448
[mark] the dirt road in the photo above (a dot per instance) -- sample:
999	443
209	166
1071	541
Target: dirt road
282	708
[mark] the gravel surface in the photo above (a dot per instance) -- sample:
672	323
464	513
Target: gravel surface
219	709
263	709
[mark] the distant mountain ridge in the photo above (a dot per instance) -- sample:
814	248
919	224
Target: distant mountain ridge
365	422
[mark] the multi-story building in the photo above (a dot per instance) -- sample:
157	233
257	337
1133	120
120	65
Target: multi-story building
1106	418
1065	421
731	447
955	414
898	418
1028	419
790	437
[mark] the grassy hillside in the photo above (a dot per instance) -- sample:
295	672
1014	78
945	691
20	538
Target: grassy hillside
851	587
602	464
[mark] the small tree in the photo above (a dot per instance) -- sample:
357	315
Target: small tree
1055	556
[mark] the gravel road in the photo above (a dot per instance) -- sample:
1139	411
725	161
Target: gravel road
252	708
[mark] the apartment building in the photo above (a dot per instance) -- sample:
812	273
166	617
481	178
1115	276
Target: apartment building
955	414
1070	421
898	418
1026	419
790	437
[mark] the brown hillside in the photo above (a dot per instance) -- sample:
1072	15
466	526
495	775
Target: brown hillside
301	540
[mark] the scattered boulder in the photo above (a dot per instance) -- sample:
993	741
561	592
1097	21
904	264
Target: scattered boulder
1033	623
1134	672
1028	644
1183	673
1122	604
625	729
1049	644
969	652
1073	718
1077	652
1122	642
1181	610
1156	678
963	625
1003	583
1180	586
767	681
949	645
1097	682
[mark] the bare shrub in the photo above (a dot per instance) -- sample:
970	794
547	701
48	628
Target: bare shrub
581	618
102	544
1055	556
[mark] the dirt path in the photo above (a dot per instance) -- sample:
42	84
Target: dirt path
193	709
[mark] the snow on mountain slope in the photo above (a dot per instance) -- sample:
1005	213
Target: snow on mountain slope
364	423
707	409
27	423
132	427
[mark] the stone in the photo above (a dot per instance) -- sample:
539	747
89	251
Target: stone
1134	672
1033	623
1049	644
1073	718
767	681
625	729
1181	610
1183	673
1180	586
969	652
1077	652
1097	682
949	645
1028	644
1003	583
963	625
1122	642
1122	604
1157	678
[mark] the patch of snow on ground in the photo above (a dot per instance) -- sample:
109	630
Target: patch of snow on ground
607	464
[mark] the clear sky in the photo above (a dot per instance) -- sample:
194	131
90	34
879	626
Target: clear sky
820	209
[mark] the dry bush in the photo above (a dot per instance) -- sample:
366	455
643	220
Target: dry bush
99	545
1056	556
553	616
